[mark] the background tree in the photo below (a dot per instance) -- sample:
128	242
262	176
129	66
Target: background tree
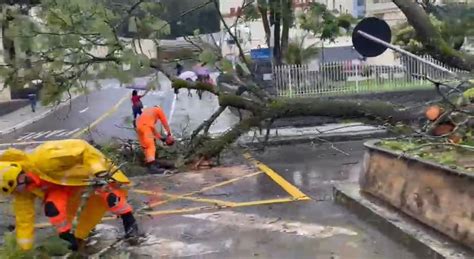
454	21
431	38
323	23
276	13
74	41
298	54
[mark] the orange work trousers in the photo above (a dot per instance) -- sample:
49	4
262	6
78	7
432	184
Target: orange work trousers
62	202
146	137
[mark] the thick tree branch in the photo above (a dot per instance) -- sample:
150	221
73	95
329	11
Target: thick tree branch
337	109
214	147
240	103
431	38
207	123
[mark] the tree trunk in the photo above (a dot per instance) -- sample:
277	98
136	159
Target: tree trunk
8	44
287	21
26	11
431	38
276	18
262	8
9	54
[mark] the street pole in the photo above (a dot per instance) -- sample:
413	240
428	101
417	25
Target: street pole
397	49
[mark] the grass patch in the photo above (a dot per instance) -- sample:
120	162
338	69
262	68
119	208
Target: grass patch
351	87
459	157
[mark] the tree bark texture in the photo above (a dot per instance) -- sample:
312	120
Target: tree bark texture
275	13
262	8
287	15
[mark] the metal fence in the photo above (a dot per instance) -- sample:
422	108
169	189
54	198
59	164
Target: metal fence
339	78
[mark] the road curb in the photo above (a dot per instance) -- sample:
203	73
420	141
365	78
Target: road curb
421	240
301	139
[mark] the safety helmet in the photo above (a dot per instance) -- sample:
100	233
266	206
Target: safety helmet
9	176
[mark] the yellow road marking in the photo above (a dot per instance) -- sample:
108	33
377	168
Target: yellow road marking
296	194
101	118
270	201
180	197
152	205
288	187
199	209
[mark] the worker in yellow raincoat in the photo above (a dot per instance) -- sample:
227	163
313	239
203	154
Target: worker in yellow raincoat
57	172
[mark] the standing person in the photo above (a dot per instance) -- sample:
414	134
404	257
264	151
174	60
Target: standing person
57	172
137	105
147	135
179	68
32	98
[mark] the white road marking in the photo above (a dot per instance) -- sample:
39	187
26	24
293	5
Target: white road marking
251	221
47	134
72	132
84	110
40	134
55	132
21	143
28	135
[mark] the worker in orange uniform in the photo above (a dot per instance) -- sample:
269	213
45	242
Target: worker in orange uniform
147	135
57	172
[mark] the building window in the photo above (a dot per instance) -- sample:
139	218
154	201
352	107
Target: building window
232	11
360	2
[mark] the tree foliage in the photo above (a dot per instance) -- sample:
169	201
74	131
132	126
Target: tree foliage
71	41
431	38
299	54
323	23
455	22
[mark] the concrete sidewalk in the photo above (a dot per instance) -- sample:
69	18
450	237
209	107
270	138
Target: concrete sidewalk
329	132
22	117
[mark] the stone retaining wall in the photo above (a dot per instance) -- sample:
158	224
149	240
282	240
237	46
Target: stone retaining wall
438	196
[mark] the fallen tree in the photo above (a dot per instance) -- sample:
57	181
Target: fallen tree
76	59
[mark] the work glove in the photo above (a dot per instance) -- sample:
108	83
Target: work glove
168	140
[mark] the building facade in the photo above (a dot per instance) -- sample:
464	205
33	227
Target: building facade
252	33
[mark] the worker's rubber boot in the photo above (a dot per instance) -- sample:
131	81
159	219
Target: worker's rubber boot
81	245
130	227
154	168
73	245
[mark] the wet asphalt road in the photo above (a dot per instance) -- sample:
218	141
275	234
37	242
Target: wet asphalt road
310	229
317	228
92	109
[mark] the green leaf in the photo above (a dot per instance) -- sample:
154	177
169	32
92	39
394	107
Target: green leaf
132	24
208	56
226	66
